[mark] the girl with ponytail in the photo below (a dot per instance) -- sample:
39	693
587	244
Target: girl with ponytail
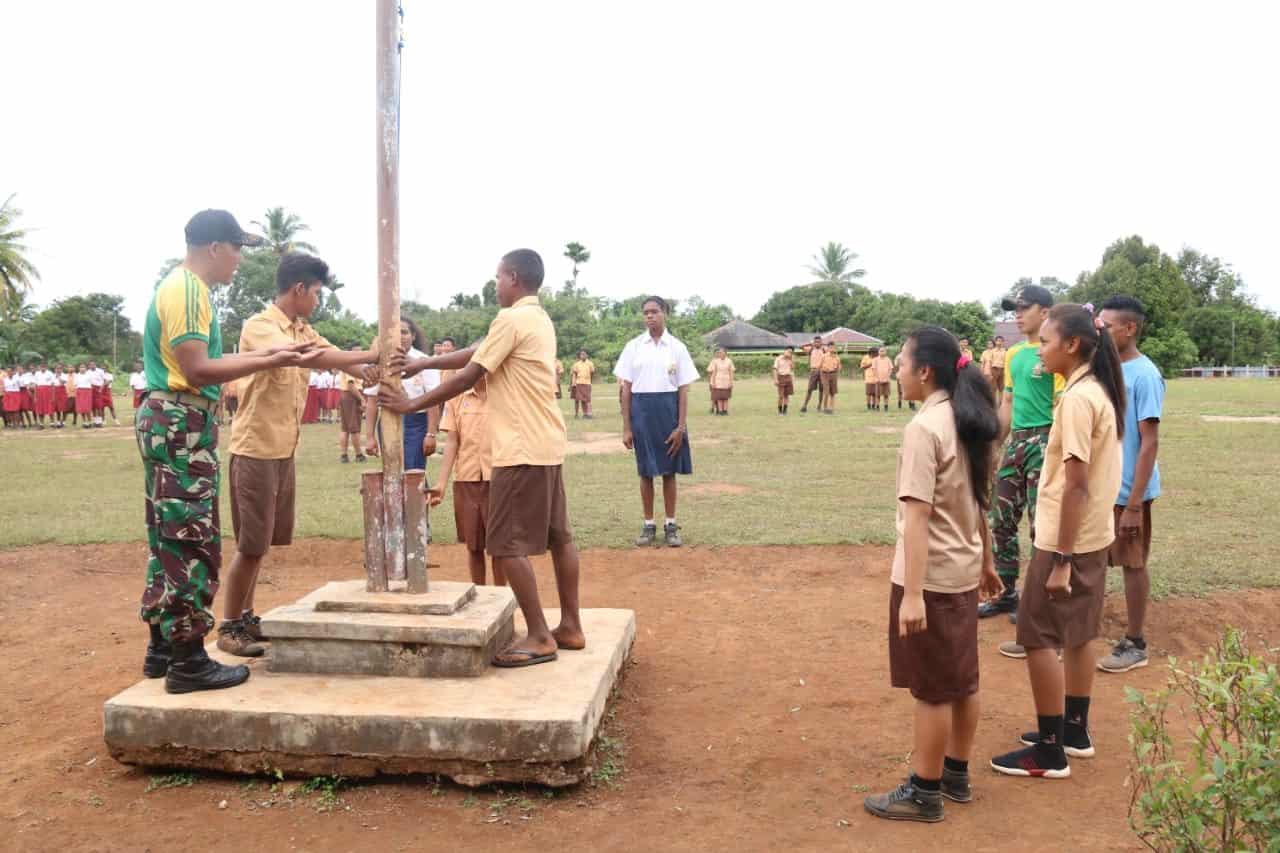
1061	606
942	564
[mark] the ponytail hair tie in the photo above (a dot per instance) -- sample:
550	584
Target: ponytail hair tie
963	360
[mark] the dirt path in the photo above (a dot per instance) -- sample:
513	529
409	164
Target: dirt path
755	716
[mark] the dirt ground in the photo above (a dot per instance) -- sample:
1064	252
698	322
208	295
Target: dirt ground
755	715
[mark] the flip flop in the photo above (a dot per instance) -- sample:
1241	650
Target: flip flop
531	658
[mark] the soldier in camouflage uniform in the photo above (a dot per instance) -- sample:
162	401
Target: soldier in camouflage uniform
1026	413
177	435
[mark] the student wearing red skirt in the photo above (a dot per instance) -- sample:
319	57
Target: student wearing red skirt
60	396
84	396
43	384
12	398
311	411
108	402
137	383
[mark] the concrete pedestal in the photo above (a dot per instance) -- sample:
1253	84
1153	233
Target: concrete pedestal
453	631
535	724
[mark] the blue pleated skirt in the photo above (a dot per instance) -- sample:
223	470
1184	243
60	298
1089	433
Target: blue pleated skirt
653	418
415	430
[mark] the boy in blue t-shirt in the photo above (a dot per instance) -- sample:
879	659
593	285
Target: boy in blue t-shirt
1140	480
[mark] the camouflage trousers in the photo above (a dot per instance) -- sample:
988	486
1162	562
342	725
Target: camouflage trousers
179	448
1017	486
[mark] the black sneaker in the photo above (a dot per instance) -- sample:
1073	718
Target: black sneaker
671	532
906	802
1076	741
955	785
1042	761
155	664
192	669
1006	603
648	535
344	459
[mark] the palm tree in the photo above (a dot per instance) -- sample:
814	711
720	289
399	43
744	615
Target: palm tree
833	265
16	272
280	229
577	253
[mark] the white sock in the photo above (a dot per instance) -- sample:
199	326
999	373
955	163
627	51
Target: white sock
671	521
648	522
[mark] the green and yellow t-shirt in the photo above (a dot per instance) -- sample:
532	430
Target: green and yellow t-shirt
180	311
1032	386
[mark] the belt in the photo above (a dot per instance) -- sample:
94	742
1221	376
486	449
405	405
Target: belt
184	398
1029	431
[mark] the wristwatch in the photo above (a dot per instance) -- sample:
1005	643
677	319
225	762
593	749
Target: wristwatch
1060	558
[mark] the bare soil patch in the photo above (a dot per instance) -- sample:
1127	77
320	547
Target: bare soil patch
718	489
755	716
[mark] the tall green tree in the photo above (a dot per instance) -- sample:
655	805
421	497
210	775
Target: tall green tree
577	253
489	293
91	326
817	307
17	274
834	264
281	229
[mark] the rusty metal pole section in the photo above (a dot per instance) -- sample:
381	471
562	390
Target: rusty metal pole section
388	86
375	566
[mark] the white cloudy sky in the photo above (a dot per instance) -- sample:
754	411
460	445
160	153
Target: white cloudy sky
701	148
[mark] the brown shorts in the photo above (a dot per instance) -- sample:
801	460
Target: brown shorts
786	386
884	389
1044	623
829	383
815	381
262	496
872	388
1132	551
940	664
581	393
719	394
471	512
527	511
349	408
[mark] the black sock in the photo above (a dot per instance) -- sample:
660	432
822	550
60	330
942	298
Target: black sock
1051	733
1010	584
1137	641
955	765
1078	711
919	784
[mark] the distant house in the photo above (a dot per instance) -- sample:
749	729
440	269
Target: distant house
741	336
1008	329
845	339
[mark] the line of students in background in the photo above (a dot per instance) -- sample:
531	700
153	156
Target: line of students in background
41	396
1094	481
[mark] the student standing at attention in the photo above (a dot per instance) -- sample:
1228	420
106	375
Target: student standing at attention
580	376
884	373
942	560
528	512
1026	412
783	369
830	378
815	352
869	381
1124	317
655	372
1061	606
720	377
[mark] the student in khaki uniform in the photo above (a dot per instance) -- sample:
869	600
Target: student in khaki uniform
720	377
815	352
559	376
350	416
580	376
884	373
264	438
942	564
993	363
830	378
783	368
468	459
528	513
1062	597
869	381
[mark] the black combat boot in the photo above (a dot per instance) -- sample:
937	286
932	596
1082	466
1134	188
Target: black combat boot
191	670
156	662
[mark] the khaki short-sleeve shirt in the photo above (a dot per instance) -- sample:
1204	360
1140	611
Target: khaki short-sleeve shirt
933	468
519	354
267	425
468	416
1084	427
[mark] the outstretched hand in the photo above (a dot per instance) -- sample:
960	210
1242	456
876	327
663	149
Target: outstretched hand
394	400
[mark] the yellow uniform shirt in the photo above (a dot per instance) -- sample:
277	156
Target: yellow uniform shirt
581	372
519	354
783	365
180	311
720	373
467	415
868	367
1084	427
884	368
267	426
830	363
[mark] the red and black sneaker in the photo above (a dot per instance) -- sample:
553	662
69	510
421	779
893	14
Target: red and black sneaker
1042	761
1076	741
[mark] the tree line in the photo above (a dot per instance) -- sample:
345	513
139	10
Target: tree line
1199	310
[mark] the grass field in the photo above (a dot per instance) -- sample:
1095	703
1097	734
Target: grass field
759	479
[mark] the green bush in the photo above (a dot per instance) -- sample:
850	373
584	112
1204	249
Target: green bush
1215	786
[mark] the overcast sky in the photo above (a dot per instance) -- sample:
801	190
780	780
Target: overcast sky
694	147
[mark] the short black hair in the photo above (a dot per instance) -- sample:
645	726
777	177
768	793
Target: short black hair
873	351
300	267
526	264
1126	305
450	339
657	300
